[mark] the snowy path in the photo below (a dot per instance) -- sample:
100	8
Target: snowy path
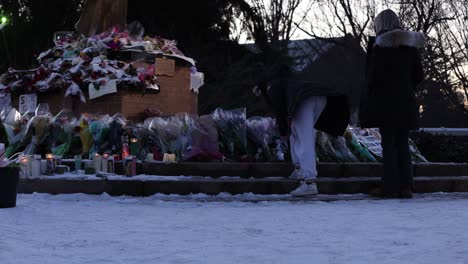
102	229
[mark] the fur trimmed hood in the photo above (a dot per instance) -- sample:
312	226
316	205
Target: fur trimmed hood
398	37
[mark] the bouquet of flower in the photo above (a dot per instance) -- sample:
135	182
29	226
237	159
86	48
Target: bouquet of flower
232	132
358	149
340	146
262	131
325	150
171	133
202	138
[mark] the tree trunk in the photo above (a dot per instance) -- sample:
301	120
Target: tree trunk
100	15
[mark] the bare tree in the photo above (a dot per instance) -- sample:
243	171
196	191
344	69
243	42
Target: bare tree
446	57
100	15
445	24
332	18
271	23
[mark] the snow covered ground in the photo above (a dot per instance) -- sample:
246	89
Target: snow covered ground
234	229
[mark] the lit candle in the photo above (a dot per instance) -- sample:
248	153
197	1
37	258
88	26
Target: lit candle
25	166
50	164
133	146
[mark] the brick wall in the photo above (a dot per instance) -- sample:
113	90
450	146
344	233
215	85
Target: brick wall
175	97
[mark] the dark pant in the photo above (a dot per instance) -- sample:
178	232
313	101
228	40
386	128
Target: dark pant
398	170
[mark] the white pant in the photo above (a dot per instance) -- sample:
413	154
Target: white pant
303	135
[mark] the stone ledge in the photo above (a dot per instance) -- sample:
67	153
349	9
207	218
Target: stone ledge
262	170
214	186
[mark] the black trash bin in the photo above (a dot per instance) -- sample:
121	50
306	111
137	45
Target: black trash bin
9	178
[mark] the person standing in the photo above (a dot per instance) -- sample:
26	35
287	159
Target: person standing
394	71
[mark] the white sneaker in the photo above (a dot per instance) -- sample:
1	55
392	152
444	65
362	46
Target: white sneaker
305	190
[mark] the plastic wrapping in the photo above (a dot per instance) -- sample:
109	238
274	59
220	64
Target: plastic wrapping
99	130
171	133
262	131
359	150
416	155
116	128
202	138
85	136
340	146
325	150
62	133
232	131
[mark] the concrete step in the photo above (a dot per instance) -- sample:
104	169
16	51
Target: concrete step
263	170
148	185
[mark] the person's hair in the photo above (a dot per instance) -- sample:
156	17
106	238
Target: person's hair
386	21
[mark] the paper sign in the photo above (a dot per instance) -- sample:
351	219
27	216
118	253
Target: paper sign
373	144
27	103
108	88
165	67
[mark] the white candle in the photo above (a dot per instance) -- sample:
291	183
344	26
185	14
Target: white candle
36	166
150	157
169	158
43	167
104	159
97	162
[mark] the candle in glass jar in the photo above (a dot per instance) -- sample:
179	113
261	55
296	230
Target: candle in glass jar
150	157
77	163
50	164
97	162
36	166
110	164
25	166
104	160
133	146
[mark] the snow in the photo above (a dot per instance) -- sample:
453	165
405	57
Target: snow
80	228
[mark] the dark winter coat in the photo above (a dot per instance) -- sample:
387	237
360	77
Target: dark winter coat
337	74
288	94
394	71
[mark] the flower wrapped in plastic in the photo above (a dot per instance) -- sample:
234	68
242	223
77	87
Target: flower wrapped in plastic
341	147
99	129
202	138
325	150
114	137
62	132
85	136
232	129
262	131
171	133
359	150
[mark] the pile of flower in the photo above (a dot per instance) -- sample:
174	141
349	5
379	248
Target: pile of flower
76	61
223	135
